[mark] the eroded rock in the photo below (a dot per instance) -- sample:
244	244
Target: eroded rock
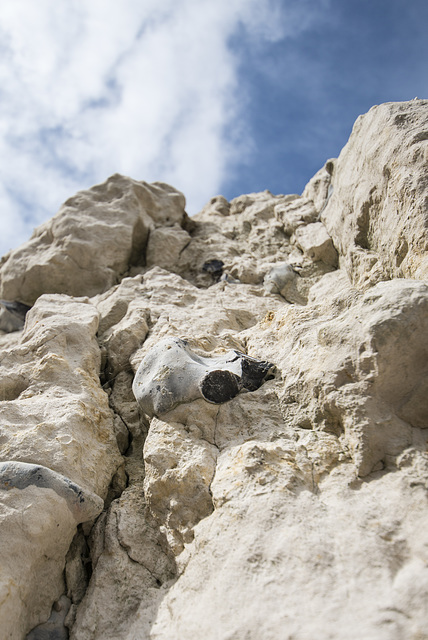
94	238
226	492
376	215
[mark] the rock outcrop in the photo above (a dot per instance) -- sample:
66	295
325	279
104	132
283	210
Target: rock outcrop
269	478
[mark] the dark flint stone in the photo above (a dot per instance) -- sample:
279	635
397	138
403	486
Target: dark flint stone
255	372
220	386
18	308
214	267
13	315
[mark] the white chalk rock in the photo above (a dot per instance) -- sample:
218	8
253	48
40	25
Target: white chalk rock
319	188
309	490
165	245
294	213
91	241
315	242
53	410
376	213
39	511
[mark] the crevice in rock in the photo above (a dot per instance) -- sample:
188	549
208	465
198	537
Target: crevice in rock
128	550
215	429
78	567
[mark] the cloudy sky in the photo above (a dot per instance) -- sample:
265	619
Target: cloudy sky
212	96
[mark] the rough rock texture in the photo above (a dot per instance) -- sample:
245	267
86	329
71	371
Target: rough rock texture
296	509
92	241
377	214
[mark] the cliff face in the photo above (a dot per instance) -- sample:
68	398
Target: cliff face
271	481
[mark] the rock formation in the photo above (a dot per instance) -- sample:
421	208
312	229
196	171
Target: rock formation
237	499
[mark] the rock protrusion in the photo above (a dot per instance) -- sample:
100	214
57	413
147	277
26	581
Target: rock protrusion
172	374
83	504
92	241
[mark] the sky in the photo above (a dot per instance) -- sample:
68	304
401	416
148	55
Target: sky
211	96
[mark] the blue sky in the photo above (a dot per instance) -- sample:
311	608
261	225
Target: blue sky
229	97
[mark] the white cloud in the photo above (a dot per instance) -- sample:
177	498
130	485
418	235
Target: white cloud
143	87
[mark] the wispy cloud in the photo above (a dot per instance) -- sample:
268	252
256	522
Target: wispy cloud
148	88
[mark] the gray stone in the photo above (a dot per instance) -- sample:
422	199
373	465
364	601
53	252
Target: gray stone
84	504
12	315
171	374
279	278
283	280
54	628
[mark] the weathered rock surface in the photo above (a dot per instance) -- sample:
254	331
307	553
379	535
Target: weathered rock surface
377	212
295	509
92	241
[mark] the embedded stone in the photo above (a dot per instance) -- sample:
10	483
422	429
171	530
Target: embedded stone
172	374
83	504
219	386
281	280
12	315
214	268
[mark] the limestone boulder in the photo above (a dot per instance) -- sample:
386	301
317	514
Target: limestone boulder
53	409
377	212
340	562
91	242
295	212
58	453
165	245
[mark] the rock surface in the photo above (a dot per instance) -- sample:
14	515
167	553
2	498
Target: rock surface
295	509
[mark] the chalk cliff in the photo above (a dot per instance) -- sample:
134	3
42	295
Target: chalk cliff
271	482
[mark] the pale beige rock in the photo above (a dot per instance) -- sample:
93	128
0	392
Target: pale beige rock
53	410
165	245
92	240
319	188
131	563
37	528
53	413
244	240
126	336
180	465
209	318
315	242
130	569
376	215
363	362
295	213
340	562
298	510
